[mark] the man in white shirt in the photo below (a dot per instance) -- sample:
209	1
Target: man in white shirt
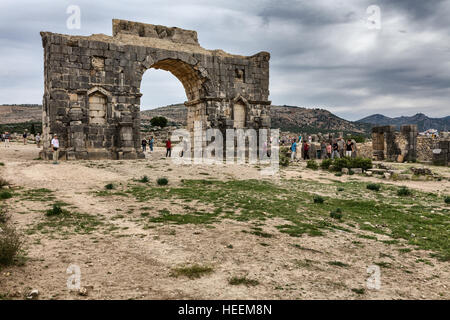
55	146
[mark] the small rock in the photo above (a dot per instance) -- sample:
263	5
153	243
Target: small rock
369	173
83	291
33	294
357	170
344	170
387	175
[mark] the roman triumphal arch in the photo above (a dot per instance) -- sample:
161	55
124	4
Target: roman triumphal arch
92	87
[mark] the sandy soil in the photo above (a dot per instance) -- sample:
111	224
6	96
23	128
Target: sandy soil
136	263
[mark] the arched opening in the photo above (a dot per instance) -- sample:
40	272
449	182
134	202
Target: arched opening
189	88
160	88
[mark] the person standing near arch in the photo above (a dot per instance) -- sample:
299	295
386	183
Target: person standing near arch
55	147
168	148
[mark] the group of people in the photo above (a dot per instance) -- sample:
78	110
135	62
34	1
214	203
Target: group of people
148	142
338	148
6	138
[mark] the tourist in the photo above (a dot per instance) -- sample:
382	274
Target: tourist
299	139
168	148
323	147
150	143
341	146
55	146
25	135
355	149
144	145
349	148
305	151
7	138
329	150
38	140
293	150
335	152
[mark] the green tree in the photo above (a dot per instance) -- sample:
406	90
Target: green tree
159	122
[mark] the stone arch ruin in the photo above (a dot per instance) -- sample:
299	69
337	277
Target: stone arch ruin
92	87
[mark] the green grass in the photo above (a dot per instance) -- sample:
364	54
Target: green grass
290	200
235	281
192	272
62	221
374	186
338	264
41	194
404	192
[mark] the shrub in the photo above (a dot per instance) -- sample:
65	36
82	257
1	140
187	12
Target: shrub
312	164
109	186
336	214
158	122
318	199
326	163
447	199
363	163
144	179
10	244
338	174
403	192
5	195
162	181
373	186
54	211
2	164
340	163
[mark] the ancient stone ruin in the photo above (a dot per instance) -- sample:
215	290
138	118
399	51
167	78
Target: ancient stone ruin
92	87
387	144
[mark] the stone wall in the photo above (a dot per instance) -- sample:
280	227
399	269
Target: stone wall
92	87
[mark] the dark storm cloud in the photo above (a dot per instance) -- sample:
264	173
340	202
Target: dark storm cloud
322	53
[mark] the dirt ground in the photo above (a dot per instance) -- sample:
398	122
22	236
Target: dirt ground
135	262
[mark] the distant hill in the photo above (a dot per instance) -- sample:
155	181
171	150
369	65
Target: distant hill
287	118
20	113
422	121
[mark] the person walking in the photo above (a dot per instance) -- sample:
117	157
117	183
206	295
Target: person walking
25	135
150	143
323	148
293	150
305	151
355	149
55	146
38	140
168	148
144	145
341	147
335	152
7	138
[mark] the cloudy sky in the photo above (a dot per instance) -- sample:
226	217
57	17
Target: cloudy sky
324	54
